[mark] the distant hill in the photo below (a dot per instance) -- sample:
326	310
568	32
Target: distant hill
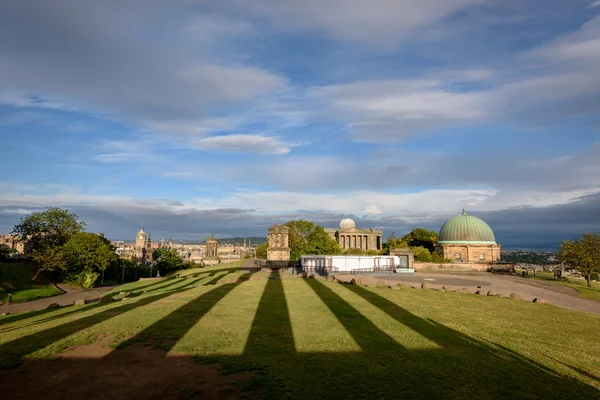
239	241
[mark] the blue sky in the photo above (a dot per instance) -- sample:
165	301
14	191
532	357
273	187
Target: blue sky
225	118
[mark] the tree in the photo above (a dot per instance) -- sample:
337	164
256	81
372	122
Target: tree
168	259
261	251
422	254
307	238
319	242
46	232
393	242
4	251
421	237
298	237
582	254
88	255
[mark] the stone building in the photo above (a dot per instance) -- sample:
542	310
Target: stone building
466	238
143	247
13	243
212	251
278	249
351	237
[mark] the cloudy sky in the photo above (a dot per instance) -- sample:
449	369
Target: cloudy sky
226	117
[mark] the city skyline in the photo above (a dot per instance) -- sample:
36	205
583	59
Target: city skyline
228	118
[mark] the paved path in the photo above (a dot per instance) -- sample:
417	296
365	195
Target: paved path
62	299
558	295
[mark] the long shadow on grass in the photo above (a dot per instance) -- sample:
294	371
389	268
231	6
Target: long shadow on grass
24	315
464	366
166	332
271	333
59	315
454	366
11	352
145	287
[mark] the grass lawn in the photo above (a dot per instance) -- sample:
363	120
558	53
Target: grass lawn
592	292
18	276
307	338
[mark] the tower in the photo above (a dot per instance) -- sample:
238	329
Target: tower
140	239
140	246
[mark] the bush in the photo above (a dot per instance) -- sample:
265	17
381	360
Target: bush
85	278
438	258
422	254
594	276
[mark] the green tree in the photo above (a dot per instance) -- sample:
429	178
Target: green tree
354	252
319	242
582	254
422	254
298	237
46	232
88	255
168	260
421	237
307	238
4	251
261	251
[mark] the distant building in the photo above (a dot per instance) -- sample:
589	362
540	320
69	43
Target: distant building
466	238
143	247
351	237
14	243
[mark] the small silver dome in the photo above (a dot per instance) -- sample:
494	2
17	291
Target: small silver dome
347	223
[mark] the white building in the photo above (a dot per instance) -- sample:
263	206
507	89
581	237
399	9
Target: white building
355	264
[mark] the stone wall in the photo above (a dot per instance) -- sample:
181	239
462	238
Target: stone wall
450	267
280	266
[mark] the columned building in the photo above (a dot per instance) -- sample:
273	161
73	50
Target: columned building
351	237
466	238
212	251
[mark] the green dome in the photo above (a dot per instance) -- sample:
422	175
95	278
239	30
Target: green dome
466	229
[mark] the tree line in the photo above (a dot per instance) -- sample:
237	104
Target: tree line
58	244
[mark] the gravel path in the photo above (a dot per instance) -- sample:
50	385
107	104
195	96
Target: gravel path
529	289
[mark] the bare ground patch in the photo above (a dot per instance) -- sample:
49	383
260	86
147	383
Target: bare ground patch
96	371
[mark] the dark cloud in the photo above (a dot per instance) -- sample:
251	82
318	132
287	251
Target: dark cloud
525	227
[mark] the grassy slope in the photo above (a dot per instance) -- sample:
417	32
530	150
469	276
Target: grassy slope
314	339
19	275
592	292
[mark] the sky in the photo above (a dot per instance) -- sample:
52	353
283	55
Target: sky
224	118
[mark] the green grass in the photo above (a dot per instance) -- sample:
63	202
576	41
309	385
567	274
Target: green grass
16	279
307	338
589	292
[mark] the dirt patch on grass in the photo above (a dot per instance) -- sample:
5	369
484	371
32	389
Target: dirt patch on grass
138	372
95	350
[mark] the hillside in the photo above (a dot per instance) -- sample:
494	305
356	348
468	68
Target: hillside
218	332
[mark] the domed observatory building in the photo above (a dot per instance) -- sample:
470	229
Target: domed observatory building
351	237
466	238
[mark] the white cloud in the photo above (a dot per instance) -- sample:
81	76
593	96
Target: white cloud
594	4
116	71
240	143
381	23
392	110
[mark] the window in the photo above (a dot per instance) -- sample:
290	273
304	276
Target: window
457	257
482	256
